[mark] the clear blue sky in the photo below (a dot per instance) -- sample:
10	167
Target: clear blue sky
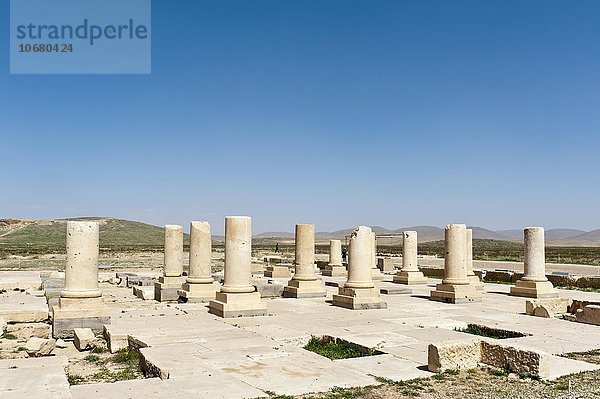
336	113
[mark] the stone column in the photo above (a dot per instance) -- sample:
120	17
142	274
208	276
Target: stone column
334	268
80	303
81	268
238	297
455	287
199	286
473	279
168	286
410	273
375	272
305	283
534	283
359	292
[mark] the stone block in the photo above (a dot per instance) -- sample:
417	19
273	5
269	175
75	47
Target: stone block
549	307
305	289
269	290
359	299
534	289
84	339
197	293
144	292
73	313
454	293
410	278
590	314
166	289
24	331
36	347
334	271
278	272
389	264
499	275
238	305
517	359
3	325
450	355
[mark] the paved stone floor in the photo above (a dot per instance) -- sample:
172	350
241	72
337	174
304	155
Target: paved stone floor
192	353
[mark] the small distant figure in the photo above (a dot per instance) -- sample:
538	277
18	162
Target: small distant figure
277	248
344	254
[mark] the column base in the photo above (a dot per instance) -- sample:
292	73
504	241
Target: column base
534	289
455	293
359	299
237	305
376	274
305	289
410	278
334	271
475	282
165	290
196	293
71	313
278	272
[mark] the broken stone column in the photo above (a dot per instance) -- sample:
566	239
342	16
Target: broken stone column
238	297
167	287
455	287
359	292
375	272
534	283
199	285
305	283
335	268
410	273
80	304
473	279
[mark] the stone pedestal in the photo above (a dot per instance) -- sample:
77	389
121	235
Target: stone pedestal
237	297
305	283
455	287
534	283
278	272
473	279
167	287
410	273
71	313
334	268
359	292
375	272
80	304
199	286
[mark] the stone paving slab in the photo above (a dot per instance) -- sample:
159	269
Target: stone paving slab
20	307
387	366
24	280
38	378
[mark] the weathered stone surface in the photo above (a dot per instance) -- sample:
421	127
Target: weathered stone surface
551	306
37	347
74	313
389	264
24	280
144	292
590	315
84	339
24	331
61	344
278	272
452	355
22	308
269	290
3	325
516	359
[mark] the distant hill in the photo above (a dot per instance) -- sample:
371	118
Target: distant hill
269	234
512	234
561	234
51	233
484	234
